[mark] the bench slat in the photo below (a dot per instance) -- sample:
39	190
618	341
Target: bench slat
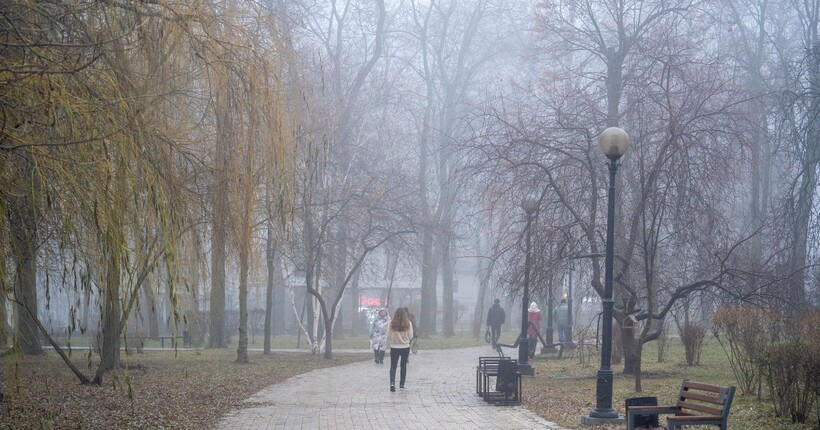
689	418
701	386
703	397
700	408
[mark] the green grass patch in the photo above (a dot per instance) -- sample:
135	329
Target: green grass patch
564	389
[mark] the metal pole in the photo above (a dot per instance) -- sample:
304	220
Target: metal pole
550	307
523	350
569	306
603	396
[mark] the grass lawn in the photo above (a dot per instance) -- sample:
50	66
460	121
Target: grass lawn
184	389
191	389
188	391
564	389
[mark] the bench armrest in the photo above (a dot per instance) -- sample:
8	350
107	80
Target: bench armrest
694	418
653	410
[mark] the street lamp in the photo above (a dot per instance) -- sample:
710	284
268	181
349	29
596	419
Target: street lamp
530	205
614	143
569	305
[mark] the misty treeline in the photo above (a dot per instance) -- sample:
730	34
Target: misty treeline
151	150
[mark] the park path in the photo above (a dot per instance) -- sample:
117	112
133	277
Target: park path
440	394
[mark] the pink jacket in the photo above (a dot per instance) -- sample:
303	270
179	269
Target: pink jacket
535	319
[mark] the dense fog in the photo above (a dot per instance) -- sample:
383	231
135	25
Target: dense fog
237	170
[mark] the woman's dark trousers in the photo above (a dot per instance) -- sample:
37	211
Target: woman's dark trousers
395	354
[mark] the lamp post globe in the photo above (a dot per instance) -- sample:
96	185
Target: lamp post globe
613	143
530	205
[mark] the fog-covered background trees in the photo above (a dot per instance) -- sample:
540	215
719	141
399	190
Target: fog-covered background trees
164	163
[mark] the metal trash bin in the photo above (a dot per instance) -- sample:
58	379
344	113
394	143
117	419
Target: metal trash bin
650	421
507	385
507	380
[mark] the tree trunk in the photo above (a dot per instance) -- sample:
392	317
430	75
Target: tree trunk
328	355
242	344
219	206
192	324
484	273
427	319
151	309
341	270
217	337
808	162
278	311
804	204
269	258
548	333
112	314
447	275
478	310
637	369
23	236
357	327
5	330
629	346
25	293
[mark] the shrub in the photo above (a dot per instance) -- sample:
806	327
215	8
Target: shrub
810	336
789	369
692	336
810	328
744	333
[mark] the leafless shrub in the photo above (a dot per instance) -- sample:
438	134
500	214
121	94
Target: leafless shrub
692	336
789	369
745	333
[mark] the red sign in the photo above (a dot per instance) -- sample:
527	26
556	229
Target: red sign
370	301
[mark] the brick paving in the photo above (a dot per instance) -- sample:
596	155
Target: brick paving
440	394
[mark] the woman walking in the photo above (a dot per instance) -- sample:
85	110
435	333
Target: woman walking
399	334
378	335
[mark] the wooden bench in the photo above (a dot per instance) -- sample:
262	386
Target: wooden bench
698	404
173	340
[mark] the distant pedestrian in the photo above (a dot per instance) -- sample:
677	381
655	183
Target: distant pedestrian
560	316
378	335
495	319
534	318
399	333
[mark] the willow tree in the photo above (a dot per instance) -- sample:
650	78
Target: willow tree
92	111
265	147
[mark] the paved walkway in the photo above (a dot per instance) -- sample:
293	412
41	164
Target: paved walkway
440	394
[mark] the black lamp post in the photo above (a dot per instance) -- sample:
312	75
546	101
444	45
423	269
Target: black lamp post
530	205
569	306
614	143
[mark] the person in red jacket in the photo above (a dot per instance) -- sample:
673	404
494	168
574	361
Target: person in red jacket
534	318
